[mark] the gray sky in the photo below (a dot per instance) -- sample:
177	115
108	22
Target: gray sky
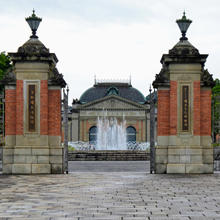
112	39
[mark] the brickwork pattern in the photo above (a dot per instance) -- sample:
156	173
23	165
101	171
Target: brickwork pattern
54	112
82	130
196	108
10	112
142	130
205	119
44	107
137	126
163	115
19	108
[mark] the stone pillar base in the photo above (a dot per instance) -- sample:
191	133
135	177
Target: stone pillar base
32	160
189	168
184	159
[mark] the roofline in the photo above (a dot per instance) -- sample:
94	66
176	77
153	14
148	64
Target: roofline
109	97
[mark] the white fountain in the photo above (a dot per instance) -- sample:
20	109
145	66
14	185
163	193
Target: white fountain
111	134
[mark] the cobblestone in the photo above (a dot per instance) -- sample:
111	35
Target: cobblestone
110	195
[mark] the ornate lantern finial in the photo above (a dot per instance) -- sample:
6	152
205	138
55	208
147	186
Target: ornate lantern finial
33	22
183	24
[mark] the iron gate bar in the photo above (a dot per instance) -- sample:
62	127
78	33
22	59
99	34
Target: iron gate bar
152	127
65	119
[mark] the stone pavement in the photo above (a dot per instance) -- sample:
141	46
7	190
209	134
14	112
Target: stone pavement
110	195
109	166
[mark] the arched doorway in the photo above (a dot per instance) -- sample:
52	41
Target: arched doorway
131	134
93	135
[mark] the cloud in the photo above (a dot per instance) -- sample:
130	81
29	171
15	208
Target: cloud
112	38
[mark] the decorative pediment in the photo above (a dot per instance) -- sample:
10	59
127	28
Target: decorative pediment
113	102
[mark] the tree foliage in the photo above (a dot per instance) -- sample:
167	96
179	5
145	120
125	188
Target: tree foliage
5	64
216	107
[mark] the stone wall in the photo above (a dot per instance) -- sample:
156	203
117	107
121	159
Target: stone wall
10	112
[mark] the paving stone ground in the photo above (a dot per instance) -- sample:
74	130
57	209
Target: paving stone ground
110	195
109	166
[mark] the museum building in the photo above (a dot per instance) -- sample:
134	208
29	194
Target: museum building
112	99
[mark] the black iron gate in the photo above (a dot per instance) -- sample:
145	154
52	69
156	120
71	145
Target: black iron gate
152	130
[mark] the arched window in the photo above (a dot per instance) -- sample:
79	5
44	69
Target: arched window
93	135
131	134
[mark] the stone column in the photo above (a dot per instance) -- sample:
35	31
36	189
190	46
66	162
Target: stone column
184	112
33	112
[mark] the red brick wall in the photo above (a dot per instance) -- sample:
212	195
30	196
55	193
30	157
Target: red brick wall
44	107
82	125
10	112
54	112
205	118
142	132
167	110
19	107
87	126
163	115
137	126
196	108
173	107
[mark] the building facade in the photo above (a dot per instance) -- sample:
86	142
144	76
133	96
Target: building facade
110	99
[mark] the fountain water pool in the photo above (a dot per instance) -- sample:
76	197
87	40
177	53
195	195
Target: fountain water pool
86	146
111	134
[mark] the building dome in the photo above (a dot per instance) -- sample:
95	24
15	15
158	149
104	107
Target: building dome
100	90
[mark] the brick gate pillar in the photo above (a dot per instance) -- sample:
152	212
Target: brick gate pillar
184	111
33	111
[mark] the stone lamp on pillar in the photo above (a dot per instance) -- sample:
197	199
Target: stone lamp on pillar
33	130
184	142
183	24
33	22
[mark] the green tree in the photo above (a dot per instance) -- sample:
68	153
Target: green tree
216	108
5	64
